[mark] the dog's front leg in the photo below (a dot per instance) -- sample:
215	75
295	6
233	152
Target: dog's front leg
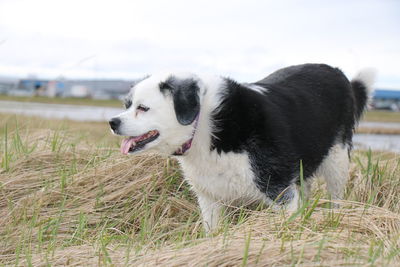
210	211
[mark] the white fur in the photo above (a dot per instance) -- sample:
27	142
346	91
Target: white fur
218	180
256	88
366	76
335	170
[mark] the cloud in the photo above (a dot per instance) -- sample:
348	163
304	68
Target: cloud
242	39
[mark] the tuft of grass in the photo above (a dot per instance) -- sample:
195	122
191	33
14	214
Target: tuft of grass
69	198
5	161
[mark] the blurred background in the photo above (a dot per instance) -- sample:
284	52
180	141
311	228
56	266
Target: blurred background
90	52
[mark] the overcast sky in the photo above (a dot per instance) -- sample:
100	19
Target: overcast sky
245	40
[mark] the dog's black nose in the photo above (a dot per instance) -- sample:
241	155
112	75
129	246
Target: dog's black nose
114	123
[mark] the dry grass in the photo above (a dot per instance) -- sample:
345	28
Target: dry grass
68	198
369	130
382	116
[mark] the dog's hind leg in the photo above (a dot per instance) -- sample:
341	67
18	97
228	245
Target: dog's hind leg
291	199
210	211
294	203
335	170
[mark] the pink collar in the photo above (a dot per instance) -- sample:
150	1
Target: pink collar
188	144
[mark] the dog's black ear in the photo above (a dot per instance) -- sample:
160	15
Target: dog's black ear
185	95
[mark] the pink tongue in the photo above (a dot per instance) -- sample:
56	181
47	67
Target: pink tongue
126	145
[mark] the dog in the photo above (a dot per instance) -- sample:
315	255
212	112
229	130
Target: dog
242	143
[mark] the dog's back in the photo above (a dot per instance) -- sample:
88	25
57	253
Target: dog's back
303	114
318	104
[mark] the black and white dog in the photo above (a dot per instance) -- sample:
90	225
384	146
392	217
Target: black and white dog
244	143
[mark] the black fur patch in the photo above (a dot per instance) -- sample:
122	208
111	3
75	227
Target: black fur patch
305	110
361	97
185	94
128	101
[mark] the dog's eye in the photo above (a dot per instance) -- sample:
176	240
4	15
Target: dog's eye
142	108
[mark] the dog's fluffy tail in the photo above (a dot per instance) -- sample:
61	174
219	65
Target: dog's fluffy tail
362	85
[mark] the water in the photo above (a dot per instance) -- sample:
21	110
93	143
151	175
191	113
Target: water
377	142
385	125
89	113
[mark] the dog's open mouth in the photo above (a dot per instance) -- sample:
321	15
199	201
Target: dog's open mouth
136	143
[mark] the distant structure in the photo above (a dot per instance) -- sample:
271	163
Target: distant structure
31	86
386	99
97	89
7	84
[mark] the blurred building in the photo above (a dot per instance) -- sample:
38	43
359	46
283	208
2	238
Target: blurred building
386	99
7	84
97	89
31	86
117	89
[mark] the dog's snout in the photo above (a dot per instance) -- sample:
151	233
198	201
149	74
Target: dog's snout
114	123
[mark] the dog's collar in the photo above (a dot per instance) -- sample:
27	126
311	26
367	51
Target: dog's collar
188	144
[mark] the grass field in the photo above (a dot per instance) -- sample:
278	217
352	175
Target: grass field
69	101
67	197
382	116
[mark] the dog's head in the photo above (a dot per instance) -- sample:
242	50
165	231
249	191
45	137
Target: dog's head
160	114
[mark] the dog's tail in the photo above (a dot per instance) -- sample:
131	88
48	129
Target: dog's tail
362	85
